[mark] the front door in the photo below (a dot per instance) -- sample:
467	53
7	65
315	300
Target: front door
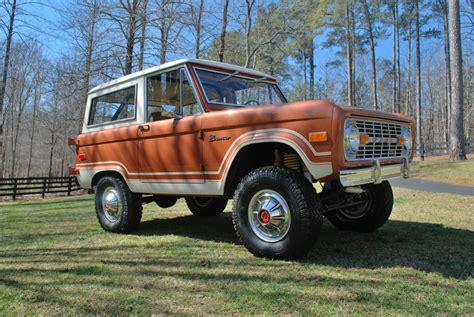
169	147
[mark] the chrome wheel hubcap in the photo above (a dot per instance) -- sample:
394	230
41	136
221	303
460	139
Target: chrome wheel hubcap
112	204
269	215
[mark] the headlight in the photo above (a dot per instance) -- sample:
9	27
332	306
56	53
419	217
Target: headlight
351	139
407	140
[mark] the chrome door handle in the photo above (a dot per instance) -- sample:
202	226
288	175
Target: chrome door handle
144	128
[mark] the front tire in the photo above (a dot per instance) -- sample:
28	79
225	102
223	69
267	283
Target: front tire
117	208
206	206
374	210
276	213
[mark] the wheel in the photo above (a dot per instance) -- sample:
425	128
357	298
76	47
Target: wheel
165	201
276	213
206	206
373	211
117	208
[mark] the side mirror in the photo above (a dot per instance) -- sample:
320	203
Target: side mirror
170	109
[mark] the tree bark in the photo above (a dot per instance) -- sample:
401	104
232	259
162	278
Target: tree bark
368	19
6	64
457	149
418	75
223	31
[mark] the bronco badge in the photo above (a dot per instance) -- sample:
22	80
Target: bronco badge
214	138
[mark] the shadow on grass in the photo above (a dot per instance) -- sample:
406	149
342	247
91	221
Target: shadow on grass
422	246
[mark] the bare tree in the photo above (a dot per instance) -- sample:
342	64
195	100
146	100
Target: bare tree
196	18
223	31
457	149
144	22
6	64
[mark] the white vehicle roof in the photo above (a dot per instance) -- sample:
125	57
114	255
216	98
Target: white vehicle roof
172	64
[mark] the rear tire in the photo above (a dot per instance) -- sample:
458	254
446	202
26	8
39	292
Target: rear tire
206	206
373	213
117	208
276	213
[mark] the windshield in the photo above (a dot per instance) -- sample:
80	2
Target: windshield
234	90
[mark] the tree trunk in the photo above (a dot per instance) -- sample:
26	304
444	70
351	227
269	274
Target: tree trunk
51	155
457	150
418	75
305	78
408	102
248	56
36	101
350	85
6	64
198	29
223	31
394	58
353	49
444	7
399	81
163	33
141	59
311	70
368	19
132	25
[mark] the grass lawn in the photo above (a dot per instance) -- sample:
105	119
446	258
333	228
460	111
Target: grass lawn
460	173
55	259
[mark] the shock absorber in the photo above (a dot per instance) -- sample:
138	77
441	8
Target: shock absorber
292	161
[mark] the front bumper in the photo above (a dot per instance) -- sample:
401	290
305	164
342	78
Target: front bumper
377	173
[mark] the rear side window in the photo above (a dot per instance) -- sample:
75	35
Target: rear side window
115	106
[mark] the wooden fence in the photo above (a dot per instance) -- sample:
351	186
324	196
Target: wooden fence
14	187
439	148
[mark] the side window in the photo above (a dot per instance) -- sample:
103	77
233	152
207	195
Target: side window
118	105
170	88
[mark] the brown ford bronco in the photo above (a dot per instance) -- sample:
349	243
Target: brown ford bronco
210	132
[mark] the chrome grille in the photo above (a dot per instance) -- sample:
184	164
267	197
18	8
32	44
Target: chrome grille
383	138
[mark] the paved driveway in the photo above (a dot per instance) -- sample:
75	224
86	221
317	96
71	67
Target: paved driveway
429	186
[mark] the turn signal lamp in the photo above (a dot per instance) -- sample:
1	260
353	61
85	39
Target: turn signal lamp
318	136
364	139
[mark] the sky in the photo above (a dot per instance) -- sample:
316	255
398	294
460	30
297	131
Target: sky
47	28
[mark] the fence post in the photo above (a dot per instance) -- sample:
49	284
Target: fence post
69	186
44	188
15	186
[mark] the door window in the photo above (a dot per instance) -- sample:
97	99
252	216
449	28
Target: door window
171	88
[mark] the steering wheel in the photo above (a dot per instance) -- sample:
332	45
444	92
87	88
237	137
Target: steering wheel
248	102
